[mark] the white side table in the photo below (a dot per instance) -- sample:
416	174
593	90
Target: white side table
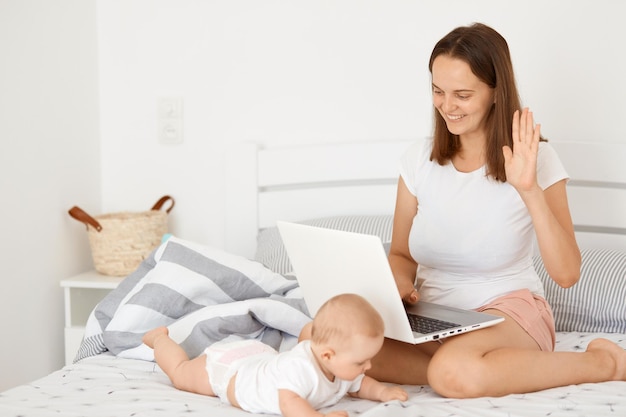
82	293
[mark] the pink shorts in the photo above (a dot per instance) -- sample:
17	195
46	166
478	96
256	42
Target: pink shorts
531	312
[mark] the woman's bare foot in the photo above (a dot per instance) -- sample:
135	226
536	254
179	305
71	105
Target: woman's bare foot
616	353
152	335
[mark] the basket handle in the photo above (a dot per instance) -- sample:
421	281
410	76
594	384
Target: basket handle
163	200
80	215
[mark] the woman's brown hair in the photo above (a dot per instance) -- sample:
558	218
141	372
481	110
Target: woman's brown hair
487	54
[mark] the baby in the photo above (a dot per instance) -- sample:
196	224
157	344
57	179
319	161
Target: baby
346	334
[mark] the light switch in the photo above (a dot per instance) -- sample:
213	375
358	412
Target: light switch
170	120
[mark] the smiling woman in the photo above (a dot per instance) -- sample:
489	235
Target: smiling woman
470	203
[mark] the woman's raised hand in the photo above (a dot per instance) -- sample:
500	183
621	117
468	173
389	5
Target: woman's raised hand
520	163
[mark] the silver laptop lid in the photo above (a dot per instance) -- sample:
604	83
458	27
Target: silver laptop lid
329	262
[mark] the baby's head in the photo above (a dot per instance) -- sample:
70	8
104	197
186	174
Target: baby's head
347	333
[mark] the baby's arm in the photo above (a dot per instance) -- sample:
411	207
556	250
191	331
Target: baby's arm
293	405
371	389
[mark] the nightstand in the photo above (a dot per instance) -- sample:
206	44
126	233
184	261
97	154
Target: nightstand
81	294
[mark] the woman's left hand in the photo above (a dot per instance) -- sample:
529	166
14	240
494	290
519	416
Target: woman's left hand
520	163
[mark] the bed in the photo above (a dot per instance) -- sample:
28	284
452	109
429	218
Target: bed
246	290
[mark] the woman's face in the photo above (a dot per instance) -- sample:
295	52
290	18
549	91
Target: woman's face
462	99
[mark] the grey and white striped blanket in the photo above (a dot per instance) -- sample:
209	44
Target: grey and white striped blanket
203	295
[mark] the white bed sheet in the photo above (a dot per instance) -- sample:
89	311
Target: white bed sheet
110	386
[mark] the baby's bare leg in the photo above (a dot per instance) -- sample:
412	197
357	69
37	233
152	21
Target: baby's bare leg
186	374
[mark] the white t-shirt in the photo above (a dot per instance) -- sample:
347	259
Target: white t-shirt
258	381
472	236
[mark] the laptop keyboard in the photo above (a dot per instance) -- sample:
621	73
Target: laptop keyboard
428	325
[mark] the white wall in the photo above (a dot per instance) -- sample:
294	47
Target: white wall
50	160
285	71
276	72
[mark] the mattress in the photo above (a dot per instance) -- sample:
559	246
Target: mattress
111	386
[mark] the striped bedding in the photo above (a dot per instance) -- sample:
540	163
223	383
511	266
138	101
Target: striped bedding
596	303
203	295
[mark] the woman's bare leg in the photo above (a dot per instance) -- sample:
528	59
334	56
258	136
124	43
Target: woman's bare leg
185	374
504	359
403	363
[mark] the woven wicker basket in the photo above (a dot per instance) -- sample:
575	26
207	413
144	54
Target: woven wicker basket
121	241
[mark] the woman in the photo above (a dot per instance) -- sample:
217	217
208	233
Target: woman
469	204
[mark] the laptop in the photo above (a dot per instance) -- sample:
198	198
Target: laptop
329	262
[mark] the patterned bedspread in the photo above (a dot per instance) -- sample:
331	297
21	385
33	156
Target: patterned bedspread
109	386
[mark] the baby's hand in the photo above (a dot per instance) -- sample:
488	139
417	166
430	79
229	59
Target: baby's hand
393	392
337	414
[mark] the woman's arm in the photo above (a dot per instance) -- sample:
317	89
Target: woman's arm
548	208
402	264
555	233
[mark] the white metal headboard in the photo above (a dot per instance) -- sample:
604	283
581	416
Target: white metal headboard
304	182
596	192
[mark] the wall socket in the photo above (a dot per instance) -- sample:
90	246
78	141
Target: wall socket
170	120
